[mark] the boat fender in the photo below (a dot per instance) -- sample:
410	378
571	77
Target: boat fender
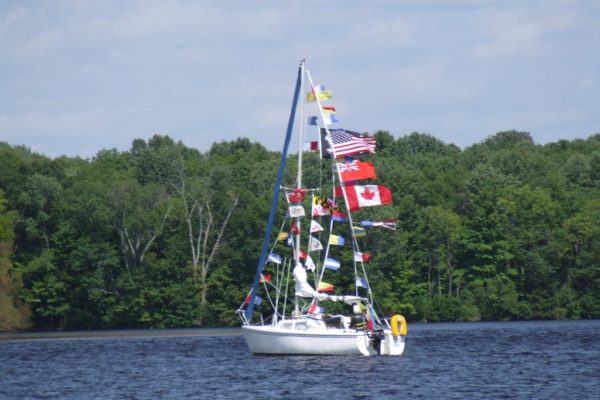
399	326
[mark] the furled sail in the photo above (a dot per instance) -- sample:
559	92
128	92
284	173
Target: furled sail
302	287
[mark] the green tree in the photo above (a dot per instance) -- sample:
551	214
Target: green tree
14	314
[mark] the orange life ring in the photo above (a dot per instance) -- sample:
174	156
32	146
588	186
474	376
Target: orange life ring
399	326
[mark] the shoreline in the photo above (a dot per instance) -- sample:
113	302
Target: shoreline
121	333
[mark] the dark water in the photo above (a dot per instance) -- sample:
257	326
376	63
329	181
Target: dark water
522	360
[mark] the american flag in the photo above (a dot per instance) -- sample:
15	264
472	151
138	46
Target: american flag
347	142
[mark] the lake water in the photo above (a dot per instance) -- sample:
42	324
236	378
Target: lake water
518	360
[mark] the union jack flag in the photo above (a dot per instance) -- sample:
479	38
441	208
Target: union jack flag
348	166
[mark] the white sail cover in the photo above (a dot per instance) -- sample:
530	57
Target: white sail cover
302	287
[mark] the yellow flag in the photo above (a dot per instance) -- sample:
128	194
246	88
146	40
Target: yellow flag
282	236
326	95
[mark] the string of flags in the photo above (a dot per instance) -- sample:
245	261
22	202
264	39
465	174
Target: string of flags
344	145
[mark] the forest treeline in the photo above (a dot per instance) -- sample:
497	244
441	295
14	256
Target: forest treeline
163	235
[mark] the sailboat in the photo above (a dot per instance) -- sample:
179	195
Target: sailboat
290	309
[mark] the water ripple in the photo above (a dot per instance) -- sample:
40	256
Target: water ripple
525	360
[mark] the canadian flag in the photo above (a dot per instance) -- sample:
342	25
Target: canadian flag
365	196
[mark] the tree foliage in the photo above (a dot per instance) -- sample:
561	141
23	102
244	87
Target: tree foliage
162	235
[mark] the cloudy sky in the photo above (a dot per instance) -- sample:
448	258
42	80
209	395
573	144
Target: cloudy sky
80	76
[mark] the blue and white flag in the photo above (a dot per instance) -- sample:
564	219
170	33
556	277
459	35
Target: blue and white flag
275	258
331	263
361	282
386	224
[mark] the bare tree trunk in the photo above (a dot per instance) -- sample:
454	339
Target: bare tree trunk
133	248
199	219
429	273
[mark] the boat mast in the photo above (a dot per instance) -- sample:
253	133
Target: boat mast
299	178
275	200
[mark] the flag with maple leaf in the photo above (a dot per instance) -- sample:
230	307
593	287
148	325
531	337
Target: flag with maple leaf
365	196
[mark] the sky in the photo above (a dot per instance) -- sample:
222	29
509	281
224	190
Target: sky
80	76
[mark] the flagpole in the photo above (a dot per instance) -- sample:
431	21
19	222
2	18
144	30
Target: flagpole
299	176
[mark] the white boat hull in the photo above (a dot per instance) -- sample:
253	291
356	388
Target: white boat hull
268	339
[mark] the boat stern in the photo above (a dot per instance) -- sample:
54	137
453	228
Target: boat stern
392	345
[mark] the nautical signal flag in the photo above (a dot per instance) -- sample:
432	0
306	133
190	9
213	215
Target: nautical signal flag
386	223
345	143
309	263
257	300
296	211
313	120
331	263
282	235
318	91
312	146
315	309
325	287
354	170
365	196
328	110
328	119
265	278
361	282
336	240
361	257
314	244
359	231
275	258
294	228
338	216
315	227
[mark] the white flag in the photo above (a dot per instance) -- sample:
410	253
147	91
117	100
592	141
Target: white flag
315	226
296	211
310	264
314	244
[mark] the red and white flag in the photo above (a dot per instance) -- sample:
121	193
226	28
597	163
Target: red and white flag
365	196
345	143
295	196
